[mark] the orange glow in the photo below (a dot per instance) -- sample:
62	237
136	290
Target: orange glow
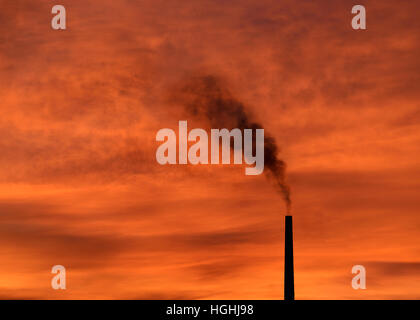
80	185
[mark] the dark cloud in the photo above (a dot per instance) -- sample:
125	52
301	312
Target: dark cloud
393	269
57	156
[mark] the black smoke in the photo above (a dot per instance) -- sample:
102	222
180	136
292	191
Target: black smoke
205	96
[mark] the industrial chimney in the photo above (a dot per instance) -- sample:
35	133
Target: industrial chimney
289	282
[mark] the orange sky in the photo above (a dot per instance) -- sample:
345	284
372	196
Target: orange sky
80	186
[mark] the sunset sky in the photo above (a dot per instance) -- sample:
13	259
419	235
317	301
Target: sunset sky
79	181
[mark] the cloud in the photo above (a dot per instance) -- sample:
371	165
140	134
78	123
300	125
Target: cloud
393	269
80	185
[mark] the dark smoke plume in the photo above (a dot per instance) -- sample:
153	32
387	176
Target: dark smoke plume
204	96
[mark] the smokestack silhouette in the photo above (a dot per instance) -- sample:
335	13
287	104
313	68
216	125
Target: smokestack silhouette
206	97
289	282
